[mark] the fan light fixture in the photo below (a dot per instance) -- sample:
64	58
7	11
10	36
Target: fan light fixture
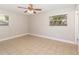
30	11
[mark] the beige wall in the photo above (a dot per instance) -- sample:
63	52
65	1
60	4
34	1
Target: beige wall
17	25
39	24
78	21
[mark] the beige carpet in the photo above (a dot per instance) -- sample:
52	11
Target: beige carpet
31	45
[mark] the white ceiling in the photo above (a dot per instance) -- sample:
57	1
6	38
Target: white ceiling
44	7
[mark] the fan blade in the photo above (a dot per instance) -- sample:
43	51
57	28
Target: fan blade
25	11
34	12
38	9
22	7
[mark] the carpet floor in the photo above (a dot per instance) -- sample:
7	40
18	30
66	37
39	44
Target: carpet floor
32	45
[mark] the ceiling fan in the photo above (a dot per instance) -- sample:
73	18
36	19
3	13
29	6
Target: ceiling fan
30	9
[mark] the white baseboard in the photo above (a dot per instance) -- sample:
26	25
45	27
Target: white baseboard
53	38
13	37
38	36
